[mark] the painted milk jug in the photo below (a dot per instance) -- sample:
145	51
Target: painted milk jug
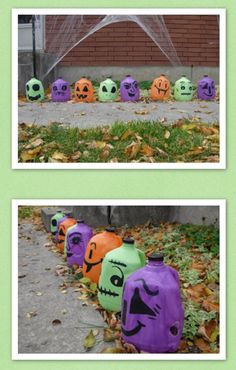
129	90
183	89
60	90
108	90
77	238
116	267
96	250
62	230
206	89
152	311
54	221
66	215
34	90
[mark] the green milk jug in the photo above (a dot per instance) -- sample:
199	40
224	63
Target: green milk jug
183	89
117	265
108	90
54	221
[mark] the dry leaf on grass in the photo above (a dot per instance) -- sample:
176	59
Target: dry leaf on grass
58	157
28	155
132	150
90	340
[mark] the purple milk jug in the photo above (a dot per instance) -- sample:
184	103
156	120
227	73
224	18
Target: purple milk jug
77	240
67	215
152	311
206	89
60	90
129	90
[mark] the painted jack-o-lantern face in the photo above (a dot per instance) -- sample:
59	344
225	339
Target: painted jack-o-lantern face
108	90
183	89
34	90
97	248
63	227
206	88
129	90
160	88
60	91
84	91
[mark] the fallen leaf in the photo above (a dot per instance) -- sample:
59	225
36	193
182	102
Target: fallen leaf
35	144
167	134
110	335
75	156
85	280
89	340
132	149
126	134
113	350
202	345
147	150
141	112
31	314
58	157
28	155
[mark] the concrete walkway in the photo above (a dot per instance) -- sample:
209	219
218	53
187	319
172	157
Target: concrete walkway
41	298
85	115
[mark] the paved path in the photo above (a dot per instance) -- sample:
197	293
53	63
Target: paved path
98	114
39	292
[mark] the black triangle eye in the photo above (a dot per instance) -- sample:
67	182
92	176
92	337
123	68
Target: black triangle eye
54	222
104	89
113	90
137	306
61	232
85	89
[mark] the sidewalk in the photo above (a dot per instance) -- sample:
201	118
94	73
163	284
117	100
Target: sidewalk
43	299
85	115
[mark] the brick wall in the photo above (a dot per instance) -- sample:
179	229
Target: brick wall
195	37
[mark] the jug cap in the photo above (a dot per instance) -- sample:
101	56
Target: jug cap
80	221
68	214
205	76
59	211
128	240
183	75
110	229
156	257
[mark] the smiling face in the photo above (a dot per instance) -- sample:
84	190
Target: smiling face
129	89
160	88
108	90
98	246
60	91
140	308
183	89
206	89
84	91
34	90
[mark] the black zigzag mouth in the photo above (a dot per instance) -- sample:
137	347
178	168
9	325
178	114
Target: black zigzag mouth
81	96
131	94
107	292
69	254
134	331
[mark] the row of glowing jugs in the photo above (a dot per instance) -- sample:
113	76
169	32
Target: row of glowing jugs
129	90
148	296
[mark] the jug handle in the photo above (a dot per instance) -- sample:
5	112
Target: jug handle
142	257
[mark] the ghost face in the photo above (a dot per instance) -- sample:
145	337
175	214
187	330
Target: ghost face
84	91
183	90
129	89
206	89
108	90
160	88
140	309
60	91
34	90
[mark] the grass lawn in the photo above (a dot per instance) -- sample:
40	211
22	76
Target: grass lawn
153	142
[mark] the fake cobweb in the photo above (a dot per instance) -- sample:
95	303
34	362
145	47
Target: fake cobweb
74	29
